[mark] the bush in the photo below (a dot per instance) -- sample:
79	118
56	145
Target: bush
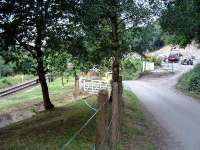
131	69
191	80
156	60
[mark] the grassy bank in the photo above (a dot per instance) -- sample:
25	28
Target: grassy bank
137	132
6	82
189	83
51	130
33	95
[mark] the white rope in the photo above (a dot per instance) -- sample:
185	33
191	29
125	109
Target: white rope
94	109
74	136
84	125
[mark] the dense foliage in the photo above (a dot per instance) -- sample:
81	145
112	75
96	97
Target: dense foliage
91	32
191	80
144	38
156	60
6	69
181	19
28	27
131	68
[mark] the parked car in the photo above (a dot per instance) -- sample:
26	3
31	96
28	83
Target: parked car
187	61
173	58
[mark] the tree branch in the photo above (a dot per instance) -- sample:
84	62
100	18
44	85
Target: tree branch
27	47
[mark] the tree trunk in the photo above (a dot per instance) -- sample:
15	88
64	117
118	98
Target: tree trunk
77	90
116	47
45	92
115	82
39	54
76	84
62	80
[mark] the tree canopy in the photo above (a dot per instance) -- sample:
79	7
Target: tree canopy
91	32
27	26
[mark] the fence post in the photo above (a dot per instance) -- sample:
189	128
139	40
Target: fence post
102	121
115	115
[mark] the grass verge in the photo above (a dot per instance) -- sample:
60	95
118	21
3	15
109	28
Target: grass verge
189	83
136	131
33	95
50	130
6	82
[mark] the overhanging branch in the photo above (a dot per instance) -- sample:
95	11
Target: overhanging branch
28	47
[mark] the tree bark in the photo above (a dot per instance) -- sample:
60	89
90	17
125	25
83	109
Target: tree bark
116	47
76	83
102	121
45	91
41	72
77	88
115	81
40	35
62	80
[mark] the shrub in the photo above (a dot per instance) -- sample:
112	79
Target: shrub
131	68
156	60
191	80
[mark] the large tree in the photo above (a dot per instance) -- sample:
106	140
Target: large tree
27	25
112	18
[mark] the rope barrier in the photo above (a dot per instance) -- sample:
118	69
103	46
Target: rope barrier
77	133
84	125
94	109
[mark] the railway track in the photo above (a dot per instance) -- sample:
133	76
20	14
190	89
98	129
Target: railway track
19	87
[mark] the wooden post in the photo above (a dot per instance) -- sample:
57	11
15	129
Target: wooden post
102	121
115	115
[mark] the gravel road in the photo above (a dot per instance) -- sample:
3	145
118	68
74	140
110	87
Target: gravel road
177	113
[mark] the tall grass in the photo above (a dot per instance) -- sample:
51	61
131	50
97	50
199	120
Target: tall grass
190	81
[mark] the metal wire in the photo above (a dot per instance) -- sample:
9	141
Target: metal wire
94	109
84	125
